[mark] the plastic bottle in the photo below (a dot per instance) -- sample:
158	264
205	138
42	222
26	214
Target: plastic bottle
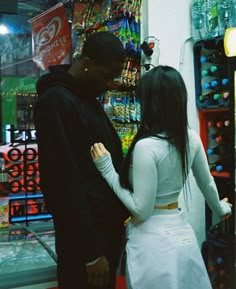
198	19
212	96
4	200
211	123
216	167
208	96
214	70
214	57
216	84
224	98
211	128
223	164
233	22
227	123
225	15
211	18
225	95
219	123
218	128
220	150
220	136
222	279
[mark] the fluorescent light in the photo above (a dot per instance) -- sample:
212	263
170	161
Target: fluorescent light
3	29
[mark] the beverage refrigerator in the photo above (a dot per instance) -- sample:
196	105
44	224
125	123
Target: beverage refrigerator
215	99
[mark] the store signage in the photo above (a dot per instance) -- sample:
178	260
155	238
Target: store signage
51	37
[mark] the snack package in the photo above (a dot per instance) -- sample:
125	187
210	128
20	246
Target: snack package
80	15
118	102
126	132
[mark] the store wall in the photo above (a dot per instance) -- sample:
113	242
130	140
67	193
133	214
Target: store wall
169	21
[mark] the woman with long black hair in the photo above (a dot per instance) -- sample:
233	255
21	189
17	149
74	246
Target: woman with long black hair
162	250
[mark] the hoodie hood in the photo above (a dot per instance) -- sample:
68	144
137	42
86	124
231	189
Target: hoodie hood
57	75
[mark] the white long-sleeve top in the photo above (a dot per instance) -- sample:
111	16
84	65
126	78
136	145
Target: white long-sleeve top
156	176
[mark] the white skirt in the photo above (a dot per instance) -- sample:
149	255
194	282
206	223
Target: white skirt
163	253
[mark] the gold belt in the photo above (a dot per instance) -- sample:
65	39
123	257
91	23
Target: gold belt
168	207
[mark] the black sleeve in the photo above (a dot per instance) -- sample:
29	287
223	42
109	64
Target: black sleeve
60	172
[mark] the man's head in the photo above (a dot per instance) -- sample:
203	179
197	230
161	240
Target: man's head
104	48
101	61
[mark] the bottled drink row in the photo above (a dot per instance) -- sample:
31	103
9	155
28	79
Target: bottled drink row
214	88
219	151
210	18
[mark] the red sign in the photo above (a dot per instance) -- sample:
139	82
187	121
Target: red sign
51	37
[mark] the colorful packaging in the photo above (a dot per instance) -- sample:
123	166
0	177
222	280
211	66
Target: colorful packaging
4	212
118	102
126	133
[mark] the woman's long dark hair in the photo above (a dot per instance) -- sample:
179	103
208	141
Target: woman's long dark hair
163	97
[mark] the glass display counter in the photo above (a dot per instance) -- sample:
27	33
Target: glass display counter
27	255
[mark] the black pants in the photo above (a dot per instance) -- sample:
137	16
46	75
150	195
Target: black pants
70	267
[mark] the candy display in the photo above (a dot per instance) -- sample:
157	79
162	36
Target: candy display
121	18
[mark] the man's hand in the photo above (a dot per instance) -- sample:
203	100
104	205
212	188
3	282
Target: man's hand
98	273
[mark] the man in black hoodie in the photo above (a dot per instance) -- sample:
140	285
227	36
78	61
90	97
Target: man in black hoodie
88	217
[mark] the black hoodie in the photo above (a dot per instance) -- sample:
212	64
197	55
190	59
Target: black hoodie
80	200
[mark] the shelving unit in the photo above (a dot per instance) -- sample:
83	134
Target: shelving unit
215	94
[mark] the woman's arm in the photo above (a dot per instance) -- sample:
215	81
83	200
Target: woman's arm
140	202
206	183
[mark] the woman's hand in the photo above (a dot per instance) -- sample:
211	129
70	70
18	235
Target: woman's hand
227	201
98	150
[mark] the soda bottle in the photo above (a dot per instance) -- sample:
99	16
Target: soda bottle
225	15
216	83
208	96
227	123
219	123
211	123
214	57
220	136
214	70
233	22
221	149
198	19
222	164
211	18
225	95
